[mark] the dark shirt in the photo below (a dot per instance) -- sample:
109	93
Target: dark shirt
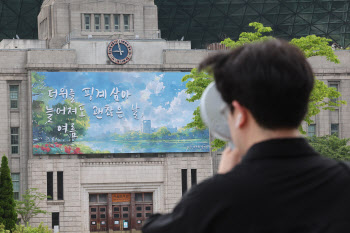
281	185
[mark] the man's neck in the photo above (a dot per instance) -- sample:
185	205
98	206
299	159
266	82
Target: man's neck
264	135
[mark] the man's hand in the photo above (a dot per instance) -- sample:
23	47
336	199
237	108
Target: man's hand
229	159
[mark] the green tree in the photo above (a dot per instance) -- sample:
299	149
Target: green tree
8	215
40	91
27	229
39	88
28	207
331	146
321	96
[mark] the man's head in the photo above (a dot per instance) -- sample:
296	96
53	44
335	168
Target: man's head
270	81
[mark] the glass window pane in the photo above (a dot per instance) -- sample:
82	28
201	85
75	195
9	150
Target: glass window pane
102	198
139	208
103	216
14	104
116	22
55	219
14	149
138	196
335	129
93	216
14	130
126	22
93	209
148	196
107	21
15	177
13	88
14	139
13	96
93	198
97	22
139	215
116	215
334	85
125	215
87	22
125	209
15	185
311	131
148	208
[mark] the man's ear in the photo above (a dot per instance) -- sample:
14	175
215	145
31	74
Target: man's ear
240	114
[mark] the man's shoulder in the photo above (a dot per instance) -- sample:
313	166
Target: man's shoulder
218	188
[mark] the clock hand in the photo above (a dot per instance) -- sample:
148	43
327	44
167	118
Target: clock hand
120	51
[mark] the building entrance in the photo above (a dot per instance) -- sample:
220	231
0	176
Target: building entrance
116	212
121	217
98	218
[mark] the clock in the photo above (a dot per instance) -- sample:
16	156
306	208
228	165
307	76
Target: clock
119	51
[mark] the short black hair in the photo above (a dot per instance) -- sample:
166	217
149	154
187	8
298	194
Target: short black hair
272	79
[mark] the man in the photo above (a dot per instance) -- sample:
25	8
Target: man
273	181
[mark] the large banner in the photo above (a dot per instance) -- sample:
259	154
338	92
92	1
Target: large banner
95	112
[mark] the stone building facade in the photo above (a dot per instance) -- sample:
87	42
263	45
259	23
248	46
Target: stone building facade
73	36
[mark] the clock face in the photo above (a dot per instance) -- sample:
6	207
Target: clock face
119	51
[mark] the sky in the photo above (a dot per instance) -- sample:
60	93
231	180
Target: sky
159	96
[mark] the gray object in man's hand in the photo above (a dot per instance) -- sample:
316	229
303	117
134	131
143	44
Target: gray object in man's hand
213	110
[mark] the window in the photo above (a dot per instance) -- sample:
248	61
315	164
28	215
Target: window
14	96
87	20
138	196
336	86
50	185
107	22
59	185
14	140
93	198
184	180
126	23
15	183
116	23
142	197
335	129
102	198
148	196
55	219
193	176
311	131
97	23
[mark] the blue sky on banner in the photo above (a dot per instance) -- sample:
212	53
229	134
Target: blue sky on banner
160	97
